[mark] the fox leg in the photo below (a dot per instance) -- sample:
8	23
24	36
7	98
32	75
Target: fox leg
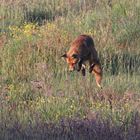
91	68
83	70
79	64
97	71
91	65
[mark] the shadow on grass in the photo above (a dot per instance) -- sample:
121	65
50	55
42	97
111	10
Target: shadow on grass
73	129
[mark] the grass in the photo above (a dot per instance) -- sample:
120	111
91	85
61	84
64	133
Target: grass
40	99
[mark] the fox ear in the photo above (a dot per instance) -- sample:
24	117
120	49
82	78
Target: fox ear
75	55
64	55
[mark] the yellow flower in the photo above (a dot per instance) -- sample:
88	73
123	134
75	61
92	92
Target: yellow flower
28	29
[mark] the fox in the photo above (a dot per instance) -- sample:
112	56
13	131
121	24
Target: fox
82	50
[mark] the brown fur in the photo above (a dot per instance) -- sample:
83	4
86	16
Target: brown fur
82	49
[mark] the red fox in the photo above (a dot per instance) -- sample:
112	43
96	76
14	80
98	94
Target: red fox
83	49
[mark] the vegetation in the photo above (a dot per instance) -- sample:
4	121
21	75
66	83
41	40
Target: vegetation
40	99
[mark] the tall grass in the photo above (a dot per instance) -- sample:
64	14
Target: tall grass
38	94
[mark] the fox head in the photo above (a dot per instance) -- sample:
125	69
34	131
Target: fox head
71	60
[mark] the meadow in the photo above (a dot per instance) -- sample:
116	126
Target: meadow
40	99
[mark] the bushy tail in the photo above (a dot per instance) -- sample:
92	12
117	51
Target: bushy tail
97	71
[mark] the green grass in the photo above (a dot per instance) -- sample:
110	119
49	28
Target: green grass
36	89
